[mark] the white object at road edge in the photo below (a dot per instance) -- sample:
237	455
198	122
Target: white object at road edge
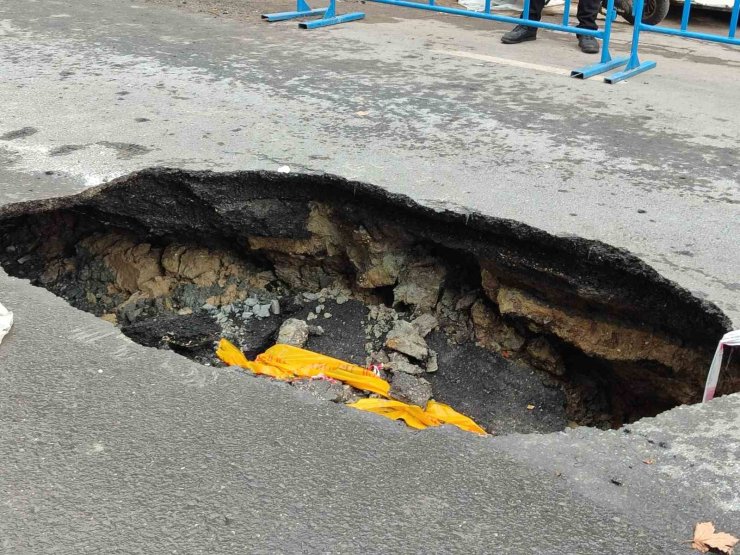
284	169
731	339
6	321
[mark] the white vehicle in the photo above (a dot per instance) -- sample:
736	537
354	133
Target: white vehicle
656	10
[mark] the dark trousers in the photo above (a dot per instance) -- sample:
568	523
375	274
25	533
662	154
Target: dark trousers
587	12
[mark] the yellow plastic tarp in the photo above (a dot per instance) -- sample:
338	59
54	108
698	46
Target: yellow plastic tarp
448	415
435	414
285	362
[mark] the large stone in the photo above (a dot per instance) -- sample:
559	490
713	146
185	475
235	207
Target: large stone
609	339
407	388
404	338
491	332
293	332
419	285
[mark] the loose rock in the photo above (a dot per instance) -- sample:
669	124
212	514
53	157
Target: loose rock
399	363
424	324
262	311
406	388
293	332
419	285
404	338
316	330
432	365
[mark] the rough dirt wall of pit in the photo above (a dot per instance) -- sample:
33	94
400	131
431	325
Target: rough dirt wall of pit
600	301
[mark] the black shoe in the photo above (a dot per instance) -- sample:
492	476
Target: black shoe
587	44
520	33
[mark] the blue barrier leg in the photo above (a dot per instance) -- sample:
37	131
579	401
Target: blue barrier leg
734	18
634	66
606	63
685	14
331	18
302	10
566	12
329	14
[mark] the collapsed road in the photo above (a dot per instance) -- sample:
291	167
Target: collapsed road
486	314
252	241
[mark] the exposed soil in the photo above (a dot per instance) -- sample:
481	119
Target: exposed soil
522	331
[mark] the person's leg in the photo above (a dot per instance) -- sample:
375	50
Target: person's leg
522	33
535	10
587	12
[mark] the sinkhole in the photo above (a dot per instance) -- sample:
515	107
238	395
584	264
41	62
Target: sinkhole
521	330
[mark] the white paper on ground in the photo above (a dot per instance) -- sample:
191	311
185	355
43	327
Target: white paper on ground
502	5
6	321
731	339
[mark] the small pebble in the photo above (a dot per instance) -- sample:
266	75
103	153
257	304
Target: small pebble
275	307
319	308
327	315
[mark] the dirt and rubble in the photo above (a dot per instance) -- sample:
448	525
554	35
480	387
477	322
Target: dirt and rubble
520	337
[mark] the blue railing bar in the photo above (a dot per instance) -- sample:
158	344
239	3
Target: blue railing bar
733	19
525	9
566	12
487	7
496	17
610	15
685	14
686	34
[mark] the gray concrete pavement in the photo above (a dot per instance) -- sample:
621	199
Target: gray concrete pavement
110	447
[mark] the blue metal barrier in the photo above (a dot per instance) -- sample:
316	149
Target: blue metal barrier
607	63
635	66
329	14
